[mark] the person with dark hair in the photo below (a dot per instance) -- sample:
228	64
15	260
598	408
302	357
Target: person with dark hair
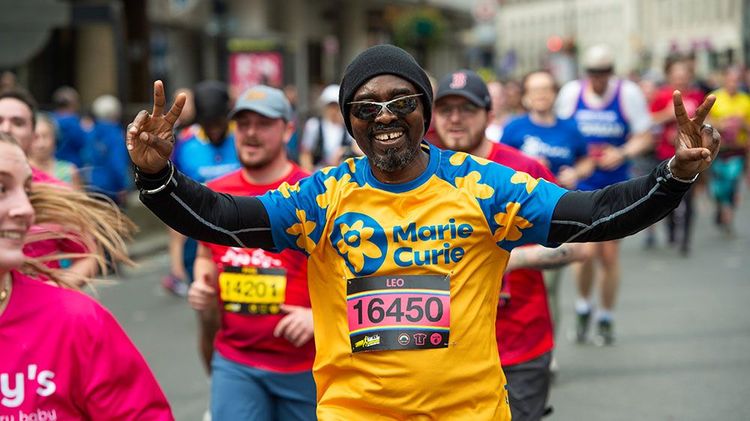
207	153
42	153
18	116
72	139
407	245
18	119
8	80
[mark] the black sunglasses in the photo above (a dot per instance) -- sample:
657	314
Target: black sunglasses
600	71
369	110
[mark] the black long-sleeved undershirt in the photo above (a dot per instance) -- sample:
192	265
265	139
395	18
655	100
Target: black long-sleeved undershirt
240	221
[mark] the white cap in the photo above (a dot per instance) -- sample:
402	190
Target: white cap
598	57
329	95
106	107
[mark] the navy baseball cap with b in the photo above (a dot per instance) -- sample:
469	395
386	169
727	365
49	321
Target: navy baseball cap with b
467	84
264	100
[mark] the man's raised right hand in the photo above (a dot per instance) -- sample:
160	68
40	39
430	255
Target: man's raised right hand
150	137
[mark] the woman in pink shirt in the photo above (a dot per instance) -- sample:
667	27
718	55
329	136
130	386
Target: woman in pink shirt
63	355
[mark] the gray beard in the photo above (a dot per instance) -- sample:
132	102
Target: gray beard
395	159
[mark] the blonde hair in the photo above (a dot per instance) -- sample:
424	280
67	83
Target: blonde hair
95	223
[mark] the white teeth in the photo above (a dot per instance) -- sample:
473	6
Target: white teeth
389	136
13	235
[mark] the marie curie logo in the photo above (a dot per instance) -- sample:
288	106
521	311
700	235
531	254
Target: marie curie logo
361	241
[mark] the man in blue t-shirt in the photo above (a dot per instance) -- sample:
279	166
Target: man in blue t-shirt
555	142
72	138
106	160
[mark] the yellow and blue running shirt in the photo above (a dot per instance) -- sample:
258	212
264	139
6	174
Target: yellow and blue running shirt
737	106
404	281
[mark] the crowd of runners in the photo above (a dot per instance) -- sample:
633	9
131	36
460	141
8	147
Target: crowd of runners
401	234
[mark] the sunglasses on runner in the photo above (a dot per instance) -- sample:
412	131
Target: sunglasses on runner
600	72
369	110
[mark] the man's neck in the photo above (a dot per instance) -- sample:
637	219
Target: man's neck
44	164
546	118
268	174
412	170
483	149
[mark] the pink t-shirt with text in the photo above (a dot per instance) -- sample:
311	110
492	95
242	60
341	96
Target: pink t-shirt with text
65	357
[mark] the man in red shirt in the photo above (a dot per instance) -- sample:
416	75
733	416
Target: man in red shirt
679	77
257	342
524	326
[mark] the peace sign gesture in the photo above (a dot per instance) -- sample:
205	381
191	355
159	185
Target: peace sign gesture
150	137
697	144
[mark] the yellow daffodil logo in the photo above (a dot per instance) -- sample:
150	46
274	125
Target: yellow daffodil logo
510	223
356	244
352	164
458	158
332	185
285	189
302	231
523	178
360	241
471	184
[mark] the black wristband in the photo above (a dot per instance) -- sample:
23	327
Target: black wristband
665	178
150	182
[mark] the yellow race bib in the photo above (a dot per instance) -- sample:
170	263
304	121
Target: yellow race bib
250	290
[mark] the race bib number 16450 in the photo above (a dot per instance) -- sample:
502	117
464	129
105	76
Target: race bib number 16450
398	312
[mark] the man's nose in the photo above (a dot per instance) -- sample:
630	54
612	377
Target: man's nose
454	114
385	116
5	126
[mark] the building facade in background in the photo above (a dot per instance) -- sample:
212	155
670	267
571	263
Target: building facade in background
120	46
643	32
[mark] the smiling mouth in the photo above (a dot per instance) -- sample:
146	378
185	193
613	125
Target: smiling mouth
389	137
13	235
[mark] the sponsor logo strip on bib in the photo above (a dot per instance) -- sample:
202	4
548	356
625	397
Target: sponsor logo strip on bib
398	312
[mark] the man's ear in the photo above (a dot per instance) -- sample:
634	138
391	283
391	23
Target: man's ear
288	131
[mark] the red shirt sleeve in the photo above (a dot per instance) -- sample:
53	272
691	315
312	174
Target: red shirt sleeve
662	98
537	170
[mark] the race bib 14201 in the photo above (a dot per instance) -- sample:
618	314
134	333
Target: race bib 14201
250	290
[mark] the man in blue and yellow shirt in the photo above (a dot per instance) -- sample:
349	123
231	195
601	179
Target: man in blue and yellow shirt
406	246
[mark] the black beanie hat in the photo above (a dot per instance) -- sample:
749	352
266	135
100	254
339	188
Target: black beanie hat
382	60
211	99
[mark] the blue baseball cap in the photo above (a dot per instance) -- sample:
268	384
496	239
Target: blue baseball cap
264	100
